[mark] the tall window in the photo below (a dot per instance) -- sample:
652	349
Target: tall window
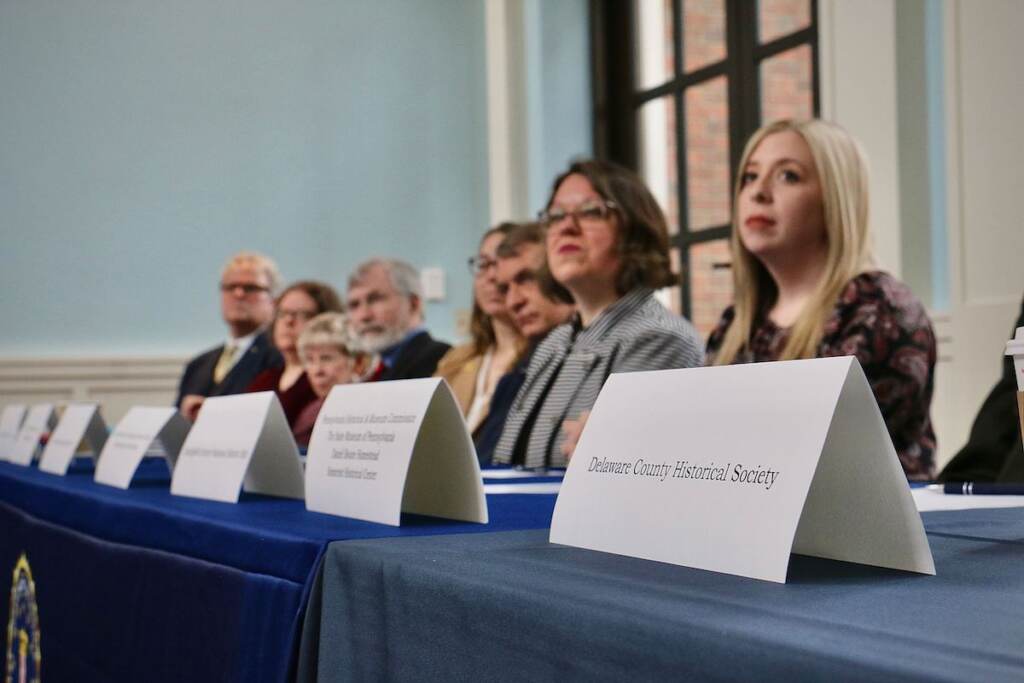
679	86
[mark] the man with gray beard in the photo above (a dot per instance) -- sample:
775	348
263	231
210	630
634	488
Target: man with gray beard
385	308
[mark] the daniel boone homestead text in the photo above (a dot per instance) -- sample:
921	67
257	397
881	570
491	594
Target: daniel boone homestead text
684	469
367	434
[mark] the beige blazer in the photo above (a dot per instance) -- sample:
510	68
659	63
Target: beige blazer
460	366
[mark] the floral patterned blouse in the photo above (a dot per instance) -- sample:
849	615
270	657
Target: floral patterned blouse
880	321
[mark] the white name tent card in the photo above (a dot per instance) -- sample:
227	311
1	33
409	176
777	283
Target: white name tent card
139	430
10	424
40	419
383	448
734	468
239	441
81	422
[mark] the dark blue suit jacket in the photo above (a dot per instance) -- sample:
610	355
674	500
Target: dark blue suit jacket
418	358
487	434
198	375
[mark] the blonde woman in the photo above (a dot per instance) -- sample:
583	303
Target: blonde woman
805	281
473	369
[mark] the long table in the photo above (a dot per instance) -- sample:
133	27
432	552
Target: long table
141	585
511	606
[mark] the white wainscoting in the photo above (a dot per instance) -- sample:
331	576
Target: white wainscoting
116	384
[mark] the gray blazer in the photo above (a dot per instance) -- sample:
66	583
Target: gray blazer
569	367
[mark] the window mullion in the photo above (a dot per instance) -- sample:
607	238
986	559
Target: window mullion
682	201
744	84
815	74
618	103
678	46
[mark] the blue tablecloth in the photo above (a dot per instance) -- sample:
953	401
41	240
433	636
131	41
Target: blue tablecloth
511	606
143	585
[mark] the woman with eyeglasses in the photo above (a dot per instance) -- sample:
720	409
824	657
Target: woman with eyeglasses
607	244
473	369
297	304
806	285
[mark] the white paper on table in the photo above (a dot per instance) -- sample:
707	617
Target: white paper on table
237	441
81	422
929	501
142	429
40	419
10	424
824	479
382	448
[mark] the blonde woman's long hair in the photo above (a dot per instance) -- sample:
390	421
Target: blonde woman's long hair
843	176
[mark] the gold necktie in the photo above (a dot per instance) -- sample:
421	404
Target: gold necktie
223	363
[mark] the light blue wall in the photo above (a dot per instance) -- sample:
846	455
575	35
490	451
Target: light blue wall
560	121
143	141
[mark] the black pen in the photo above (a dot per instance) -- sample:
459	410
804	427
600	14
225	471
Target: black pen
981	488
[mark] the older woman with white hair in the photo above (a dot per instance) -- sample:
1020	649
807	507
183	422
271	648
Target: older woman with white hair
330	356
805	281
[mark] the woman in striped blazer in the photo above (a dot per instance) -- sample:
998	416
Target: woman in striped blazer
607	243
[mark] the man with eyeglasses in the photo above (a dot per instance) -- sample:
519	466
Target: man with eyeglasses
385	308
248	285
536	303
